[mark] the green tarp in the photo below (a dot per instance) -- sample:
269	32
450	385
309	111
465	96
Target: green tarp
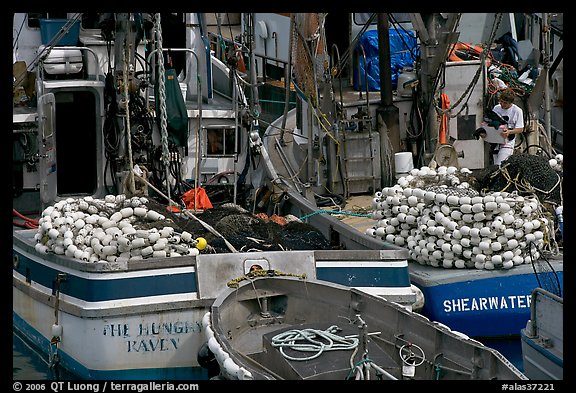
176	115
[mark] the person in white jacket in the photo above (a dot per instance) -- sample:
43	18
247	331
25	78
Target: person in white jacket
514	116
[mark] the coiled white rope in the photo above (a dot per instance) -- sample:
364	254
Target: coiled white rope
309	341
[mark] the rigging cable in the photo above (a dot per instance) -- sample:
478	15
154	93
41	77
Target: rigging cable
162	96
131	185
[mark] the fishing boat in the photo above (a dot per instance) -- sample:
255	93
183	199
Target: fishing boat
172	135
543	337
345	139
125	133
289	328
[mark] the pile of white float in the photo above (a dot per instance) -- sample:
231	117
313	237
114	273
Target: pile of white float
557	163
444	222
110	230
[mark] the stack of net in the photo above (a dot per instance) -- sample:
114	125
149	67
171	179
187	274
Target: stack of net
528	174
248	233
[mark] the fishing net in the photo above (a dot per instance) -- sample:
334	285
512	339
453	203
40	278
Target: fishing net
451	184
248	233
527	174
309	57
456	191
545	274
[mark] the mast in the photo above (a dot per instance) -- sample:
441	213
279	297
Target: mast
546	58
436	33
387	113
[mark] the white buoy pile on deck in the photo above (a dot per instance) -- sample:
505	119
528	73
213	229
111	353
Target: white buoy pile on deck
446	223
109	230
557	162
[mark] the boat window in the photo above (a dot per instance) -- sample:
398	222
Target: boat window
360	18
34	17
220	142
91	20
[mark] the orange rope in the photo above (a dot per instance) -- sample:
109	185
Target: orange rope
28	222
444	121
18	214
25	224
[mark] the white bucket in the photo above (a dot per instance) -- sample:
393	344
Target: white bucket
407	74
403	162
184	88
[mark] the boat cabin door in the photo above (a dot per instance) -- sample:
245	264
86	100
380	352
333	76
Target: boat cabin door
47	148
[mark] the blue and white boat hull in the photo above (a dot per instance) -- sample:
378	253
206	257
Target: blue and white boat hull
543	337
479	303
138	324
142	319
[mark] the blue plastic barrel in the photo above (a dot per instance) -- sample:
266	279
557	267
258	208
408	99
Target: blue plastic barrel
49	28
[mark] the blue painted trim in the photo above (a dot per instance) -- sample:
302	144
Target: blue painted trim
95	290
113	289
74	367
366	276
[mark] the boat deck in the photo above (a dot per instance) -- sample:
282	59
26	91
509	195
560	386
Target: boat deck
331	365
358	204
